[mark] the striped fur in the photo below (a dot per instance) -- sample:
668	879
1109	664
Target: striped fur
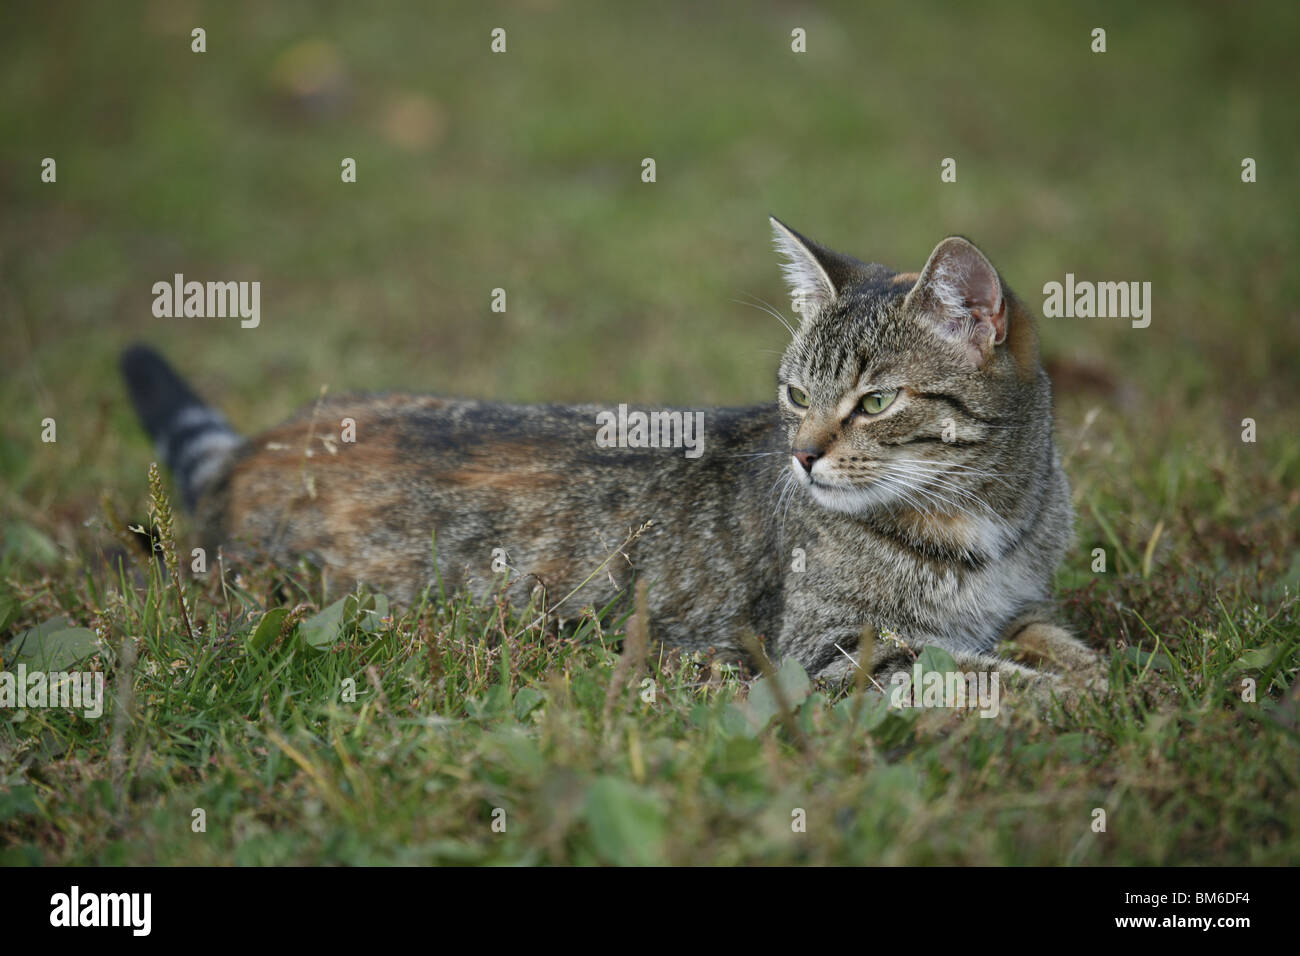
939	520
193	440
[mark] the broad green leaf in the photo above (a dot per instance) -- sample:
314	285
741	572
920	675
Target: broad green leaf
1141	658
527	700
324	627
936	659
626	823
37	632
763	702
268	628
26	543
734	721
494	702
1255	659
370	616
52	646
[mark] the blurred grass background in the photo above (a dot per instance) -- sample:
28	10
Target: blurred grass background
522	171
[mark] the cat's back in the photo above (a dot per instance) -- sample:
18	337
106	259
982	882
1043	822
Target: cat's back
360	484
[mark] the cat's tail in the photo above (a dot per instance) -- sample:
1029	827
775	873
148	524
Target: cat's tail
192	438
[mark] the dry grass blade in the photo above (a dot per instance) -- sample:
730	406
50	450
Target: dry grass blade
635	646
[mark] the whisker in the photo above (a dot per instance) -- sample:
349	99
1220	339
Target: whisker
778	486
951	470
957	466
942	482
768	308
794	488
908	493
927	496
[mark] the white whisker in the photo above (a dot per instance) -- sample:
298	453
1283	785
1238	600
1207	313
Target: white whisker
769	309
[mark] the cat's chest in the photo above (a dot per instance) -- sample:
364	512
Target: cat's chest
969	578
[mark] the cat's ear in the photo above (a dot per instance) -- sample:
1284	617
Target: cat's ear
960	295
816	275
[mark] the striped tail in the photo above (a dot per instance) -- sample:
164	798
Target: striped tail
192	439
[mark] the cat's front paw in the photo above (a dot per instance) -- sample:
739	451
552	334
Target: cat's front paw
1076	668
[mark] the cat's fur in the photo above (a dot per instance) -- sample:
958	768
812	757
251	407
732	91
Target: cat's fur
938	521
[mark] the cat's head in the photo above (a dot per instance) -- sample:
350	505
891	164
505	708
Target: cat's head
906	389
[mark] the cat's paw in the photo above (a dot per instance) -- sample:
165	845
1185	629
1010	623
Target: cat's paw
1076	669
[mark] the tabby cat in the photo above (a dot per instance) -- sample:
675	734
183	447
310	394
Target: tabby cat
903	490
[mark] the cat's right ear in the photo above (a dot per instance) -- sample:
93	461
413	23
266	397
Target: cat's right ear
815	274
960	295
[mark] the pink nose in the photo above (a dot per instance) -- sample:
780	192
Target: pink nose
806	458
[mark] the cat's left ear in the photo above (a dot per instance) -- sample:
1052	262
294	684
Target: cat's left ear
816	275
960	294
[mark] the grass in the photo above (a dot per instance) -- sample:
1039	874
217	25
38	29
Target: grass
522	172
462	712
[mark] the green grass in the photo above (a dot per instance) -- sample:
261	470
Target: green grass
522	171
462	711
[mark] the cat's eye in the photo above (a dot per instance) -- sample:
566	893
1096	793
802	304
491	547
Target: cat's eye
873	403
798	397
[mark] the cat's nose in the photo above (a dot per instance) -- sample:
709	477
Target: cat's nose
806	458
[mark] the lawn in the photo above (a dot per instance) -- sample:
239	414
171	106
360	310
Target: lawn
277	721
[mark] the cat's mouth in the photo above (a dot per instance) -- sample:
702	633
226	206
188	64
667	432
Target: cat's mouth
858	498
834	495
848	499
810	479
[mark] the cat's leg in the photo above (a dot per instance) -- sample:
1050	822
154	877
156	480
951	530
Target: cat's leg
1019	681
1036	661
1047	646
1036	642
987	676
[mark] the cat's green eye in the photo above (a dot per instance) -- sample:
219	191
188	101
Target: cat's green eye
798	396
873	403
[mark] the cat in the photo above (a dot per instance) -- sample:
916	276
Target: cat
903	490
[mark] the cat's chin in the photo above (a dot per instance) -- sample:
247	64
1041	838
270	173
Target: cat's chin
855	502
